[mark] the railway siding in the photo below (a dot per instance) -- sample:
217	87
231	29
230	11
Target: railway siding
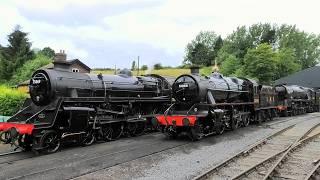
301	161
255	162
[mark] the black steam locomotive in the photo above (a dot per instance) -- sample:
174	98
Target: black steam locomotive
211	104
294	100
82	107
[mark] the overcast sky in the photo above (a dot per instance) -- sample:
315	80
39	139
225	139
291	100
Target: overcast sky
104	33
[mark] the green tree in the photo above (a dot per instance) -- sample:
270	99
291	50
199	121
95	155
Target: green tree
260	63
25	72
230	65
218	45
238	42
305	46
262	33
17	52
286	62
47	51
244	38
203	49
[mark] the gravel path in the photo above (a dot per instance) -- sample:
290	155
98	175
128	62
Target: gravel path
188	161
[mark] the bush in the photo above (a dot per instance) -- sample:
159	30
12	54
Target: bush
144	67
157	66
10	100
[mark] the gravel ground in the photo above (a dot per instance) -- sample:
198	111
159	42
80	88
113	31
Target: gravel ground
5	148
192	159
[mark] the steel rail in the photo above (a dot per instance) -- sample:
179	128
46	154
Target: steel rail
285	154
11	152
301	142
312	174
244	152
253	147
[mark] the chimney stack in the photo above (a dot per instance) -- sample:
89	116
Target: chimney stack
60	57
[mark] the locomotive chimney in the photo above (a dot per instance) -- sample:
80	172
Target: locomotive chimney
60	57
195	70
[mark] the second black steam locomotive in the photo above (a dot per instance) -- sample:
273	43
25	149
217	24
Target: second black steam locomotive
83	107
211	104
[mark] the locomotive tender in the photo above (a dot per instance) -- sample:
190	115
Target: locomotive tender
67	106
208	105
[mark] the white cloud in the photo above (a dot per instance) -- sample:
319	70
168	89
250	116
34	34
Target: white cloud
60	5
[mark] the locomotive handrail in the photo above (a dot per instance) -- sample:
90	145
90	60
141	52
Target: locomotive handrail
192	107
228	90
98	81
20	111
35	114
167	111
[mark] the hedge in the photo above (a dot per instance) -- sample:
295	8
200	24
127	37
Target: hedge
10	100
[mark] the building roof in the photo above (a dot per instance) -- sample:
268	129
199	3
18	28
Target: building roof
308	77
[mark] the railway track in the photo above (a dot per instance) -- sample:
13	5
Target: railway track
265	159
280	120
12	156
9	153
301	161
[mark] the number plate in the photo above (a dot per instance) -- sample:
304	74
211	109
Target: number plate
183	85
36	81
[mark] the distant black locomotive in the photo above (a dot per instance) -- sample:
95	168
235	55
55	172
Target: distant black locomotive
294	100
209	105
76	106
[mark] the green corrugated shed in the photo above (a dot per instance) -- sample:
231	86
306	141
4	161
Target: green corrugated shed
4	118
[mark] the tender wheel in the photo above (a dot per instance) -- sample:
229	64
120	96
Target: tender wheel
50	142
132	127
140	127
108	133
220	129
246	121
234	123
259	117
113	131
88	139
117	130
